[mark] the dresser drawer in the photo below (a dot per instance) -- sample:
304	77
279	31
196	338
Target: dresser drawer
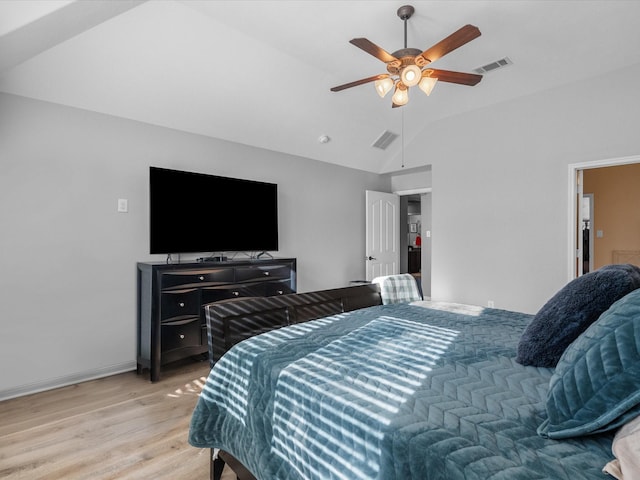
181	335
215	294
266	289
260	272
179	303
195	277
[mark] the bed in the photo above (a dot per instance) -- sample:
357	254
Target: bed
356	389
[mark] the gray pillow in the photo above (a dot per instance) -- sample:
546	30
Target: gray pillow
570	311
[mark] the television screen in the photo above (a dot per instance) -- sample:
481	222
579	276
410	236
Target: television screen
194	212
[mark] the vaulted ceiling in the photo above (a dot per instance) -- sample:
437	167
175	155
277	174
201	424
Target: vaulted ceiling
259	72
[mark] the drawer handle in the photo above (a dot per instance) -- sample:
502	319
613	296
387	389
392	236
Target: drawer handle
181	304
266	274
201	277
236	294
280	292
182	336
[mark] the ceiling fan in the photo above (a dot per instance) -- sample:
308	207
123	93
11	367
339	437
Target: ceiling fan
408	67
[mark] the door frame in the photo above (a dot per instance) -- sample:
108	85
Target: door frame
573	190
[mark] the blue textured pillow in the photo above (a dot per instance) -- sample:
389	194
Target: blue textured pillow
596	385
570	311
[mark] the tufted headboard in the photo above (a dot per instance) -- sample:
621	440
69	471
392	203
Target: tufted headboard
234	320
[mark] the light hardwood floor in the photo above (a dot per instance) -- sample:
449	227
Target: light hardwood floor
119	427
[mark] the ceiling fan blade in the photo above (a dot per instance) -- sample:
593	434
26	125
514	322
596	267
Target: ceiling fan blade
455	77
373	49
360	82
449	44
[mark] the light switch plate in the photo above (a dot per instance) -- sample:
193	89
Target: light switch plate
123	205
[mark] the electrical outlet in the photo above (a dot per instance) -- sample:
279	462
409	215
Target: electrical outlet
490	304
123	205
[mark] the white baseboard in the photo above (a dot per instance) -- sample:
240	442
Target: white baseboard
58	382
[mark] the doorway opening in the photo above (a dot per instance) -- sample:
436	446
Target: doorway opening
390	232
415	236
577	257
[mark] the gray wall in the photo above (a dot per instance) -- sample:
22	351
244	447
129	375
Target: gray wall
500	213
501	187
68	258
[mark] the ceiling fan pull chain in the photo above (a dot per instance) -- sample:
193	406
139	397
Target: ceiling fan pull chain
402	130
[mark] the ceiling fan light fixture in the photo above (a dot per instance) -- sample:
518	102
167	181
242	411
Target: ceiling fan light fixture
405	66
426	84
383	86
401	95
411	75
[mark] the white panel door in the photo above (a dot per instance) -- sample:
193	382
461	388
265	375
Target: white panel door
383	234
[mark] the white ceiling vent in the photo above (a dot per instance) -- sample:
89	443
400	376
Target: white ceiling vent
384	140
503	62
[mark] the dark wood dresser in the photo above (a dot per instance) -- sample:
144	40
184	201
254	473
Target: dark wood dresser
171	319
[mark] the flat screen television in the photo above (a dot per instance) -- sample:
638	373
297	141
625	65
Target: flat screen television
195	212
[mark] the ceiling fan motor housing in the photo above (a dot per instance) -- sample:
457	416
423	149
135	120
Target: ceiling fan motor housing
405	12
406	56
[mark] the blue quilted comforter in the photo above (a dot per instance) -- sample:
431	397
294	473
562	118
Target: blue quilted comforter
389	392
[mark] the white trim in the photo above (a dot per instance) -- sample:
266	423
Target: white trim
58	382
573	192
413	191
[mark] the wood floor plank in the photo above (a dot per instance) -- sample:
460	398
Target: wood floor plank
119	427
32	410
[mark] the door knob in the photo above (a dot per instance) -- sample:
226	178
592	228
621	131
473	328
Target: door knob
371	258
